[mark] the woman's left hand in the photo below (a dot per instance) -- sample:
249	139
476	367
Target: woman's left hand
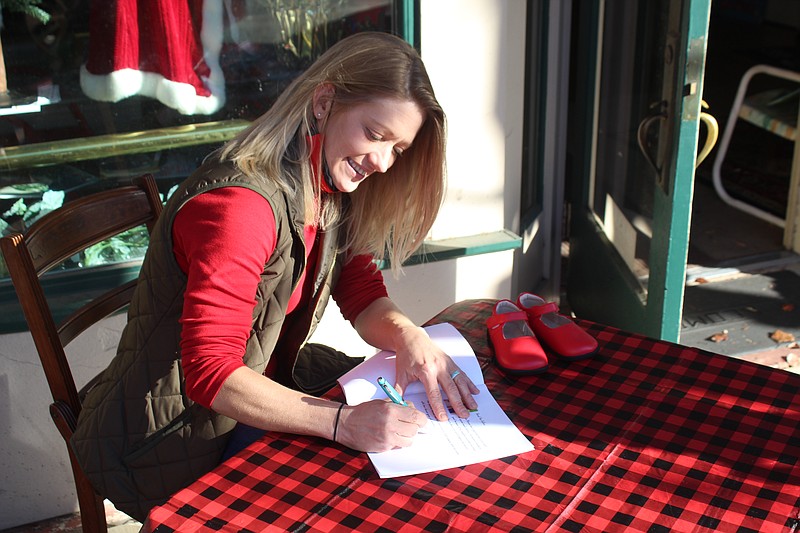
418	358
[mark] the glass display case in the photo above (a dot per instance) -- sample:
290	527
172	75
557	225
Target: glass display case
106	91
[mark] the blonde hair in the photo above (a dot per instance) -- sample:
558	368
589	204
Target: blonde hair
389	214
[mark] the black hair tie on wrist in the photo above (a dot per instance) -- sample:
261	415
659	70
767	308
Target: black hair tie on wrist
336	424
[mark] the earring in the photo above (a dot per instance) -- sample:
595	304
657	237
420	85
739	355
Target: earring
319	115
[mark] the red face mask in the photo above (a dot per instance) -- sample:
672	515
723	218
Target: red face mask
326	183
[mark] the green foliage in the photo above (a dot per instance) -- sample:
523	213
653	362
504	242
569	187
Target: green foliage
28	7
50	200
127	246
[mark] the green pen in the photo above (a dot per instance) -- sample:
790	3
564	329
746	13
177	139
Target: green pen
391	392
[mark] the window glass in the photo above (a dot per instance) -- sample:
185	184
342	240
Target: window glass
535	98
105	91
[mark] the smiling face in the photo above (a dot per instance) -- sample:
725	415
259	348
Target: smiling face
365	138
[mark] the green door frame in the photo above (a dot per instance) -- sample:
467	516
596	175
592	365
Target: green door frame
406	15
679	211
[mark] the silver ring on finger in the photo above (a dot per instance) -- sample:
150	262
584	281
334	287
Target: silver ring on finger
455	373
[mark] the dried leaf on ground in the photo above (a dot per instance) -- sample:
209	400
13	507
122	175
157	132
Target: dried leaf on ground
719	337
781	336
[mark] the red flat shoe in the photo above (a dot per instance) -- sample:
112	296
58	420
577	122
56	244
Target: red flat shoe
557	332
516	349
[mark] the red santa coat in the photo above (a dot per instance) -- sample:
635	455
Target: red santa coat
164	49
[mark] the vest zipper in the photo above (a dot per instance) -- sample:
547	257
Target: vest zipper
148	443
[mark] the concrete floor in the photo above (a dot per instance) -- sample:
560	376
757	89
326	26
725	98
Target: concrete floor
118	522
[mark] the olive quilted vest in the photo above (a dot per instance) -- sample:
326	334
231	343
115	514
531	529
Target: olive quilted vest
139	438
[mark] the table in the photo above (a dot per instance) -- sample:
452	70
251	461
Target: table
645	436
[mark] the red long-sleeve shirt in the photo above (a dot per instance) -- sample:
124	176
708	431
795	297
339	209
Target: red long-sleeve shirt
222	240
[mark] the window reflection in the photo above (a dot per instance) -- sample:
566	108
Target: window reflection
112	90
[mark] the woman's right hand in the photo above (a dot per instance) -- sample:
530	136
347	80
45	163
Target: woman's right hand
378	426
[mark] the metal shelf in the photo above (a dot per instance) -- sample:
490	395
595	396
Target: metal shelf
116	144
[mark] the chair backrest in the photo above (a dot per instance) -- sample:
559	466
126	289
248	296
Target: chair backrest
51	240
58	236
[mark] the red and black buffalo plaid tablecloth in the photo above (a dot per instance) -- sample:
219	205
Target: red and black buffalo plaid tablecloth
645	436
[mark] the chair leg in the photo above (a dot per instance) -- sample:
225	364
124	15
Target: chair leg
93	512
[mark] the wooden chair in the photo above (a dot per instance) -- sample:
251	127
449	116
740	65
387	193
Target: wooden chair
52	239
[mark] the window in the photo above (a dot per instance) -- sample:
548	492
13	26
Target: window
533	143
97	96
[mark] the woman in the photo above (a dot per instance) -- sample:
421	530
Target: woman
346	166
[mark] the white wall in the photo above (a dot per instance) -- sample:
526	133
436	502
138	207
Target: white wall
35	475
474	53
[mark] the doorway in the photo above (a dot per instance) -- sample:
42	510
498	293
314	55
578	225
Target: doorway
741	281
633	130
737	276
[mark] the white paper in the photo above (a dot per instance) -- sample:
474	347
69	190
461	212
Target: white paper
487	434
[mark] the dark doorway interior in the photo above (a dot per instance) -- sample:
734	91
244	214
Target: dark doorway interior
756	168
735	258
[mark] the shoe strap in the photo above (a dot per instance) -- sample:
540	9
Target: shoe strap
501	318
539	310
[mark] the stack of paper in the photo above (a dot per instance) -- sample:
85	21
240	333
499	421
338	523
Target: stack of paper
487	434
